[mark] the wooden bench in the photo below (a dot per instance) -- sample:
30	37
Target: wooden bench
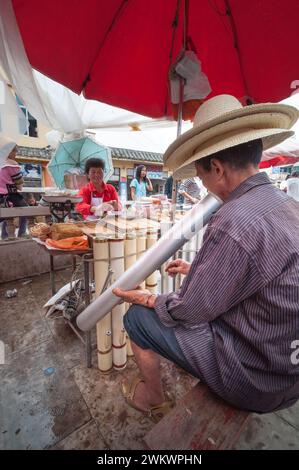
9	213
27	211
199	421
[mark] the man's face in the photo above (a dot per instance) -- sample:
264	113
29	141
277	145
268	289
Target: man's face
207	178
96	175
215	180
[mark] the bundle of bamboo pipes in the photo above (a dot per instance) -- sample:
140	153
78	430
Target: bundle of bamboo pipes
115	254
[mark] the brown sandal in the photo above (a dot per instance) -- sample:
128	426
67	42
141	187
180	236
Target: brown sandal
154	412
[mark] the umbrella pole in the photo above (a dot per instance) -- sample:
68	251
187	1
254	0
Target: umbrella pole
179	126
174	183
180	110
179	131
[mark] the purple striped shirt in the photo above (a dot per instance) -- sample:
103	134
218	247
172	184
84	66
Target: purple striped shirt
237	312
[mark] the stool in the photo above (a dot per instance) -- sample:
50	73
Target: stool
199	421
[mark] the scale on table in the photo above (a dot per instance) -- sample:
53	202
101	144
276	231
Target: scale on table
63	206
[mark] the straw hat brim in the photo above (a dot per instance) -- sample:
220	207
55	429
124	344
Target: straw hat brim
270	137
258	118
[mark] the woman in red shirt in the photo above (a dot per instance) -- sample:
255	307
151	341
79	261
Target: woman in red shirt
98	197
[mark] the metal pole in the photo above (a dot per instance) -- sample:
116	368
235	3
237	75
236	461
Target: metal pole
87	302
52	275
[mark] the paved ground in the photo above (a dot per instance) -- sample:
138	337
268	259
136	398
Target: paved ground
78	408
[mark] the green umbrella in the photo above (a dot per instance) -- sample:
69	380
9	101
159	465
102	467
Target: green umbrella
73	154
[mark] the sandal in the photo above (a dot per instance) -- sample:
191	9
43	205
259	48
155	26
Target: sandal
154	412
158	412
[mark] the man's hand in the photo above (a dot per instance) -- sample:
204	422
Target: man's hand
137	296
177	266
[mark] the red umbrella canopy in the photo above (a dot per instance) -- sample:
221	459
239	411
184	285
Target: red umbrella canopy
119	51
280	160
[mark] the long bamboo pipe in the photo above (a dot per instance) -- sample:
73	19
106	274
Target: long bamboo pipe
165	247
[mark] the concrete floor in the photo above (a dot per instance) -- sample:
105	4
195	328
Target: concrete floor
50	400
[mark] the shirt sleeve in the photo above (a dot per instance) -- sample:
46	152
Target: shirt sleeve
114	197
16	175
221	276
182	188
84	206
133	183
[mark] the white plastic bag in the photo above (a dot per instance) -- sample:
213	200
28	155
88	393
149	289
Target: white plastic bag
196	86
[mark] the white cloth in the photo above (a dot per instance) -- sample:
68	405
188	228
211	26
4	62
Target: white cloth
290	146
6	146
293	188
283	185
96	201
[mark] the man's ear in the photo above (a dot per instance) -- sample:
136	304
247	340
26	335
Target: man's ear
217	168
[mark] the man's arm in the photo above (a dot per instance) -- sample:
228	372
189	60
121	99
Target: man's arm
183	191
187	196
222	275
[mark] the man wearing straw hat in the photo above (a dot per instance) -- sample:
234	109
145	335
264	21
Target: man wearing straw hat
234	323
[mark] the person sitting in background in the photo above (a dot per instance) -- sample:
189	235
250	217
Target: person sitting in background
191	189
292	187
11	181
31	201
98	196
140	184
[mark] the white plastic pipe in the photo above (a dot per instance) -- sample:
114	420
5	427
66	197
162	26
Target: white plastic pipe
151	260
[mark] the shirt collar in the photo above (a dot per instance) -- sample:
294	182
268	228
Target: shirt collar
94	189
256	180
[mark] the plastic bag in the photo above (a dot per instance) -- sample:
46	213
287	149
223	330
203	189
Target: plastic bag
196	84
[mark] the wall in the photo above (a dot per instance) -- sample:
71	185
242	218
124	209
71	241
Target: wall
25	258
36	142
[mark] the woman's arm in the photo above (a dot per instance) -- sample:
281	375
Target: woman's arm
17	177
133	193
133	186
149	185
84	206
115	200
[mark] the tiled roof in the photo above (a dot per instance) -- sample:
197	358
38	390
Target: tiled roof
119	153
128	154
40	153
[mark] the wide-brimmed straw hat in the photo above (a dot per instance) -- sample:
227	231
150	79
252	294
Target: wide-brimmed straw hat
222	122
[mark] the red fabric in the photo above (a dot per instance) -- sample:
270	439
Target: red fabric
88	191
72	243
118	51
278	161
